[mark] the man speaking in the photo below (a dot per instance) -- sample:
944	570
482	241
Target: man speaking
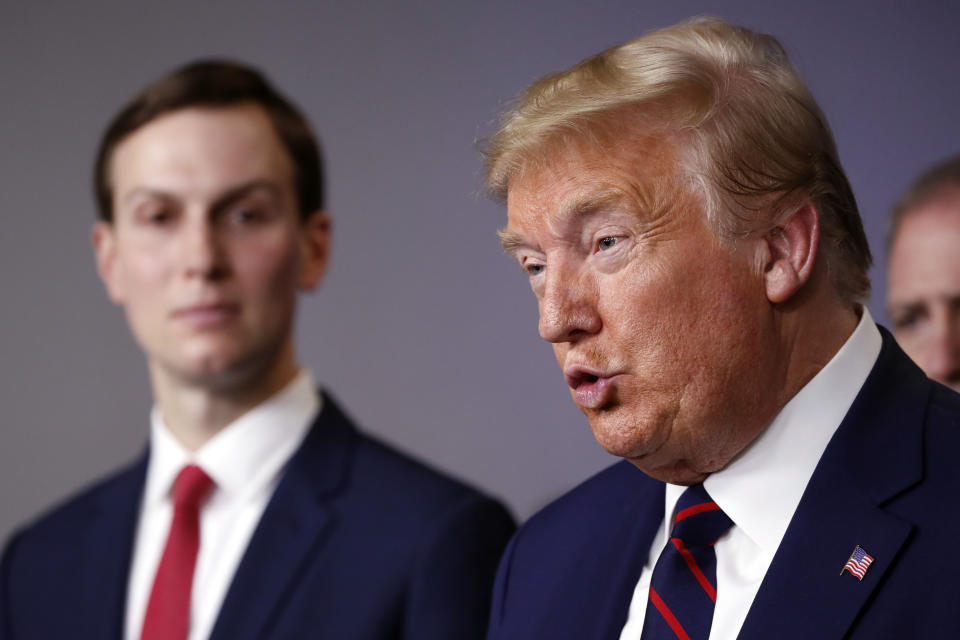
259	510
696	252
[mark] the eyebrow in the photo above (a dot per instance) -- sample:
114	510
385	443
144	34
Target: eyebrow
917	301
511	240
903	305
595	202
222	200
576	208
241	191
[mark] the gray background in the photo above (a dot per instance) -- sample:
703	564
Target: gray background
423	329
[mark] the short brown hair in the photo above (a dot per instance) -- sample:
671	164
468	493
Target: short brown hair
928	186
216	83
752	138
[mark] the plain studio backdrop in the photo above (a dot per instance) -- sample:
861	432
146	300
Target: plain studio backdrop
423	328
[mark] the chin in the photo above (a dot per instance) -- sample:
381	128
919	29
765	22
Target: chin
220	376
218	370
676	473
625	438
645	444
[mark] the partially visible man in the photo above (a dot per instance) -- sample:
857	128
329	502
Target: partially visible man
923	277
679	208
258	510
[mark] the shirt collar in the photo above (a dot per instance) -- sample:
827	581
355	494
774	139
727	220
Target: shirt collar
244	456
761	488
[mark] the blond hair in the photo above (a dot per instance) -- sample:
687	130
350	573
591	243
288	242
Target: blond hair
752	140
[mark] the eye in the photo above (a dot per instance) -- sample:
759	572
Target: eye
158	217
534	269
907	319
247	215
607	243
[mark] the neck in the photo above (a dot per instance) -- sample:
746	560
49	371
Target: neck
812	333
196	410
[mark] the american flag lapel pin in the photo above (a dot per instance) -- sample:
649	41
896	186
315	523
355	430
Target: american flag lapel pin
858	563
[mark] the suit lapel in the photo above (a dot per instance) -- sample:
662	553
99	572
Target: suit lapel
874	456
107	545
804	594
291	530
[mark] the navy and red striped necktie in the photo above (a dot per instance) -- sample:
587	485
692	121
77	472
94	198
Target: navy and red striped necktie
683	589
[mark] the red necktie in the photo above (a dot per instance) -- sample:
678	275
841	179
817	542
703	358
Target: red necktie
168	612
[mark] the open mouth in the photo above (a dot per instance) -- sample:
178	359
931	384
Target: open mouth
589	378
591	389
576	377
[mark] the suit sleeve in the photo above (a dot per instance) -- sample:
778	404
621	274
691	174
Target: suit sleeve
452	583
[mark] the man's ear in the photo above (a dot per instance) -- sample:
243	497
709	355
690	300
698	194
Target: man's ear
105	253
315	238
791	251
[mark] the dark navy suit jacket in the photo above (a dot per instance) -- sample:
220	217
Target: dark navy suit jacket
888	481
358	542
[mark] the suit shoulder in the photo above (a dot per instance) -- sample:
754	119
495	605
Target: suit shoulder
606	498
62	519
373	464
375	483
406	479
945	408
942	440
40	560
584	544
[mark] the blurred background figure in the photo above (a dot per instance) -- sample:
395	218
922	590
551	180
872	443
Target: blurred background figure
923	284
257	508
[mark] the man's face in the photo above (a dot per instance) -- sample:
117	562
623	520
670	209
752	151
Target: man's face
663	335
923	287
207	250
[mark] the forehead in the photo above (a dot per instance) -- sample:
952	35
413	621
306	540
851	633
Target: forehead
642	172
200	149
925	256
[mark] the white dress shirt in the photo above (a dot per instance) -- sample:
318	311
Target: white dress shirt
245	460
761	488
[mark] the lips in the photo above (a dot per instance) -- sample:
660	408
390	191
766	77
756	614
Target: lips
207	315
591	388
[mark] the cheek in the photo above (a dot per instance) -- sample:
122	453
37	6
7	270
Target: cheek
917	352
655	311
560	350
272	268
684	319
915	342
142	273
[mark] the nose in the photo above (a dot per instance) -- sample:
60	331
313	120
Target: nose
568	309
202	253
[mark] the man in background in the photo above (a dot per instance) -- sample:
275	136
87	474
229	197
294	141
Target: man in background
923	277
258	510
678	206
